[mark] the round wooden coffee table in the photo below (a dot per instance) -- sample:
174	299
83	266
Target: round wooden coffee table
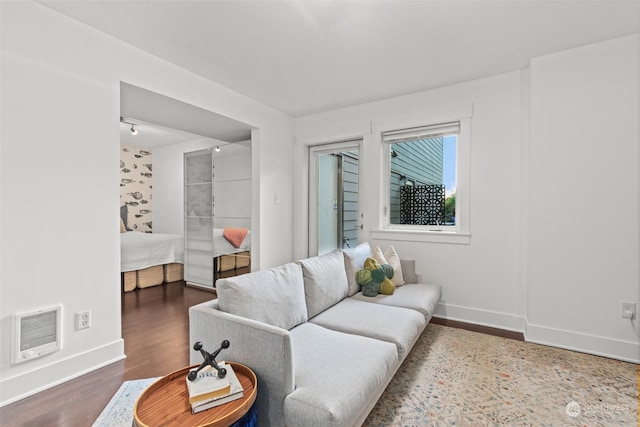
166	402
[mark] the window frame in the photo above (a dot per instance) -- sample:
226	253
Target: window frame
460	233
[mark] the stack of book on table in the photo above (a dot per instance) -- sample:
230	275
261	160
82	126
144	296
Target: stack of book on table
208	390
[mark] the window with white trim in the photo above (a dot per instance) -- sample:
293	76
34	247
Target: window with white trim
427	177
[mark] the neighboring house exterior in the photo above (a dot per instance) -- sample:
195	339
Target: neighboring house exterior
416	190
350	220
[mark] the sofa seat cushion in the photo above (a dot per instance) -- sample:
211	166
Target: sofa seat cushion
336	375
400	326
325	281
274	296
417	296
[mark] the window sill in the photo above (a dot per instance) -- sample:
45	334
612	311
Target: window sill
423	236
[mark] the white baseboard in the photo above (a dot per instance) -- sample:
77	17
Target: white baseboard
493	319
628	351
29	383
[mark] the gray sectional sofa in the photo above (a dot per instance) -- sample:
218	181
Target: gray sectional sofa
322	352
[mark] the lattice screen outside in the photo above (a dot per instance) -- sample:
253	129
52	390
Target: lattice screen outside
422	204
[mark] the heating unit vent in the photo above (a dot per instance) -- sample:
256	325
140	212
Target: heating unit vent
35	334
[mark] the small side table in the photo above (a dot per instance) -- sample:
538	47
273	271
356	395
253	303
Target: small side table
166	402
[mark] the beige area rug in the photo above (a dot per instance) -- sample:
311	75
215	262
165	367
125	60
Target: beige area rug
454	377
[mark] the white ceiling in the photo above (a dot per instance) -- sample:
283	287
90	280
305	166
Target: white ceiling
308	56
150	135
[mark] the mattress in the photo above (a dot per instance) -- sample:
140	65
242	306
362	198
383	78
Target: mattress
143	250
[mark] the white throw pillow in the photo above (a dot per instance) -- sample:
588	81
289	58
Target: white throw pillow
353	261
378	256
394	261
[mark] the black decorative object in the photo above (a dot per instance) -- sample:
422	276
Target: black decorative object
422	205
209	359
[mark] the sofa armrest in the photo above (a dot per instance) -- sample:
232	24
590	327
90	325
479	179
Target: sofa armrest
409	270
264	348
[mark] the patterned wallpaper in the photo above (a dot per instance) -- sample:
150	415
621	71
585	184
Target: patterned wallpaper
136	172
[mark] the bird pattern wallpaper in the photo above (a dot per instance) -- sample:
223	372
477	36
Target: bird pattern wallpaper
136	173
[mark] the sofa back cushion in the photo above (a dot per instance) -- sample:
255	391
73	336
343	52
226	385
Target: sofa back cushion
274	296
325	281
353	261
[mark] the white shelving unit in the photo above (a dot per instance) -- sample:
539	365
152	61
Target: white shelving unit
198	218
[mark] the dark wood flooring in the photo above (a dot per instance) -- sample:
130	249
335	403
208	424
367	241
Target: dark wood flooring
518	336
155	328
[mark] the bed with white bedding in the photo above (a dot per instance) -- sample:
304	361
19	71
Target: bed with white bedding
148	259
142	250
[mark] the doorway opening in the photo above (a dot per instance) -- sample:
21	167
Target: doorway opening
334	215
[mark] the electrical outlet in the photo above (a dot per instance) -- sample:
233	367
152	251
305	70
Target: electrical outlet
628	310
83	319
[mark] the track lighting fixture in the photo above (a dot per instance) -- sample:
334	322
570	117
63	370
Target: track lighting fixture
133	129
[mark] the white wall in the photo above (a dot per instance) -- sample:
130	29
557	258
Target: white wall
583	198
547	255
471	275
60	102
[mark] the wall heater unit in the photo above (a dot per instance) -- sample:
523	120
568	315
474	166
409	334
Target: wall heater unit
35	334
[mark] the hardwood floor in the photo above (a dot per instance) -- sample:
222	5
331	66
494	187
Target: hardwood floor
518	336
155	328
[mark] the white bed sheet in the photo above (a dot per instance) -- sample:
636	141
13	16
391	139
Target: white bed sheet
223	247
142	250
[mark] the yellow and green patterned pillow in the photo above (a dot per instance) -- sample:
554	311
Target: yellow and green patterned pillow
375	278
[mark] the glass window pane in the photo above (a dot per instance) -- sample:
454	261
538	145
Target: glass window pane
337	200
423	181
